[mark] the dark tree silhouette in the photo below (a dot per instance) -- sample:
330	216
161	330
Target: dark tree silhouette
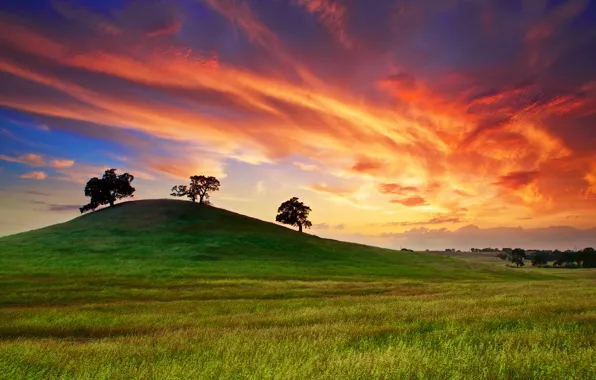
199	187
588	257
502	256
107	189
294	213
539	260
517	257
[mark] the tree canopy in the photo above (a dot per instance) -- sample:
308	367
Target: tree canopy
294	213
107	189
199	187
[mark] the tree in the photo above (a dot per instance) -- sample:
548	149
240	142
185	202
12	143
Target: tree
294	213
199	187
517	257
107	189
588	257
502	256
539	260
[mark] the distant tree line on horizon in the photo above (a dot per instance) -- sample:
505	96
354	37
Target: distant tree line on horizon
584	258
112	187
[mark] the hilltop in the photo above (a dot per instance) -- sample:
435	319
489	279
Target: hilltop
165	238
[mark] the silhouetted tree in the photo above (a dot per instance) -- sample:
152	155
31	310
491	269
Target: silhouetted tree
570	259
502	256
199	187
539	260
107	189
517	257
294	213
588	257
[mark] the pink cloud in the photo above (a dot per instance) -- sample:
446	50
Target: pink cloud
34	175
61	164
29	159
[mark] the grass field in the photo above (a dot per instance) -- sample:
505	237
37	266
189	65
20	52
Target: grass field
171	289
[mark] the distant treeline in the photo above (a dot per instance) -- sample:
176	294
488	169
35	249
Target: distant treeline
585	258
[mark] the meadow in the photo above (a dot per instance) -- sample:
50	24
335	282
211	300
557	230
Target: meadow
171	289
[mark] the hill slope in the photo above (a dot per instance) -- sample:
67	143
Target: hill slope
172	238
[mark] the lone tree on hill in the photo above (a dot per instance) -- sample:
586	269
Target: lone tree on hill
107	189
294	213
199	187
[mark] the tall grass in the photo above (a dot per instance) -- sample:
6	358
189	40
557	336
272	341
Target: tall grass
438	330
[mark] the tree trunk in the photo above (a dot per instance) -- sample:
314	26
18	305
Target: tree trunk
299	227
111	202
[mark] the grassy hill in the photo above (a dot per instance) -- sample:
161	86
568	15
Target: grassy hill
171	238
170	289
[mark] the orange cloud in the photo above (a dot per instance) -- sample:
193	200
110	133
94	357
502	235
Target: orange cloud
411	201
367	166
179	169
326	189
396	189
590	177
446	218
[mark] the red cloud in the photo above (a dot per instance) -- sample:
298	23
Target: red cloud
367	166
410	202
396	189
516	180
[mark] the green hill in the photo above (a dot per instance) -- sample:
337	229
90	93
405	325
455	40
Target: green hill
171	238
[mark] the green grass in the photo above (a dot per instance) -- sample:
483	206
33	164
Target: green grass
171	289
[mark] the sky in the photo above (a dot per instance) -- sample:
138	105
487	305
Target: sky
425	124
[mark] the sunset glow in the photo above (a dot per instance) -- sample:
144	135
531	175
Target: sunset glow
401	123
